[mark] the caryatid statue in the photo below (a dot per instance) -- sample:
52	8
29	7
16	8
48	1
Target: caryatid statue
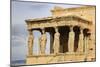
30	43
71	40
43	41
56	44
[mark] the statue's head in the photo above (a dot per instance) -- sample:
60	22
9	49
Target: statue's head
56	29
30	32
43	30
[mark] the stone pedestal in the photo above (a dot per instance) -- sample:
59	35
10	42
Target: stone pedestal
58	58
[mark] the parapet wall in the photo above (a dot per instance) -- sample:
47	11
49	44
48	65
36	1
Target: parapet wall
86	12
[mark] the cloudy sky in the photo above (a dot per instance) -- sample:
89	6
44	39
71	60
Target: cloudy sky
28	10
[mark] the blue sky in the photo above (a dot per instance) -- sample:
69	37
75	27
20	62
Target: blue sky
28	10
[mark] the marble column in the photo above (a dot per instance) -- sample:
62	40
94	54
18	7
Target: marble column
71	40
56	44
81	42
30	43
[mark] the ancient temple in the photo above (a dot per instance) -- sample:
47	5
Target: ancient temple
72	36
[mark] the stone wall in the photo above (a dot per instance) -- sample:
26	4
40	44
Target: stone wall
86	12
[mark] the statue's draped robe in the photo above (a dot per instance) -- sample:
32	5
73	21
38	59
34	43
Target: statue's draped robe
56	44
30	45
71	41
43	41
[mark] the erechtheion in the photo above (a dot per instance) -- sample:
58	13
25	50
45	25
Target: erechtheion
72	36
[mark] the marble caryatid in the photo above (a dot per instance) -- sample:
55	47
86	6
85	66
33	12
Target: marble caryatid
71	40
30	43
56	44
81	41
43	41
